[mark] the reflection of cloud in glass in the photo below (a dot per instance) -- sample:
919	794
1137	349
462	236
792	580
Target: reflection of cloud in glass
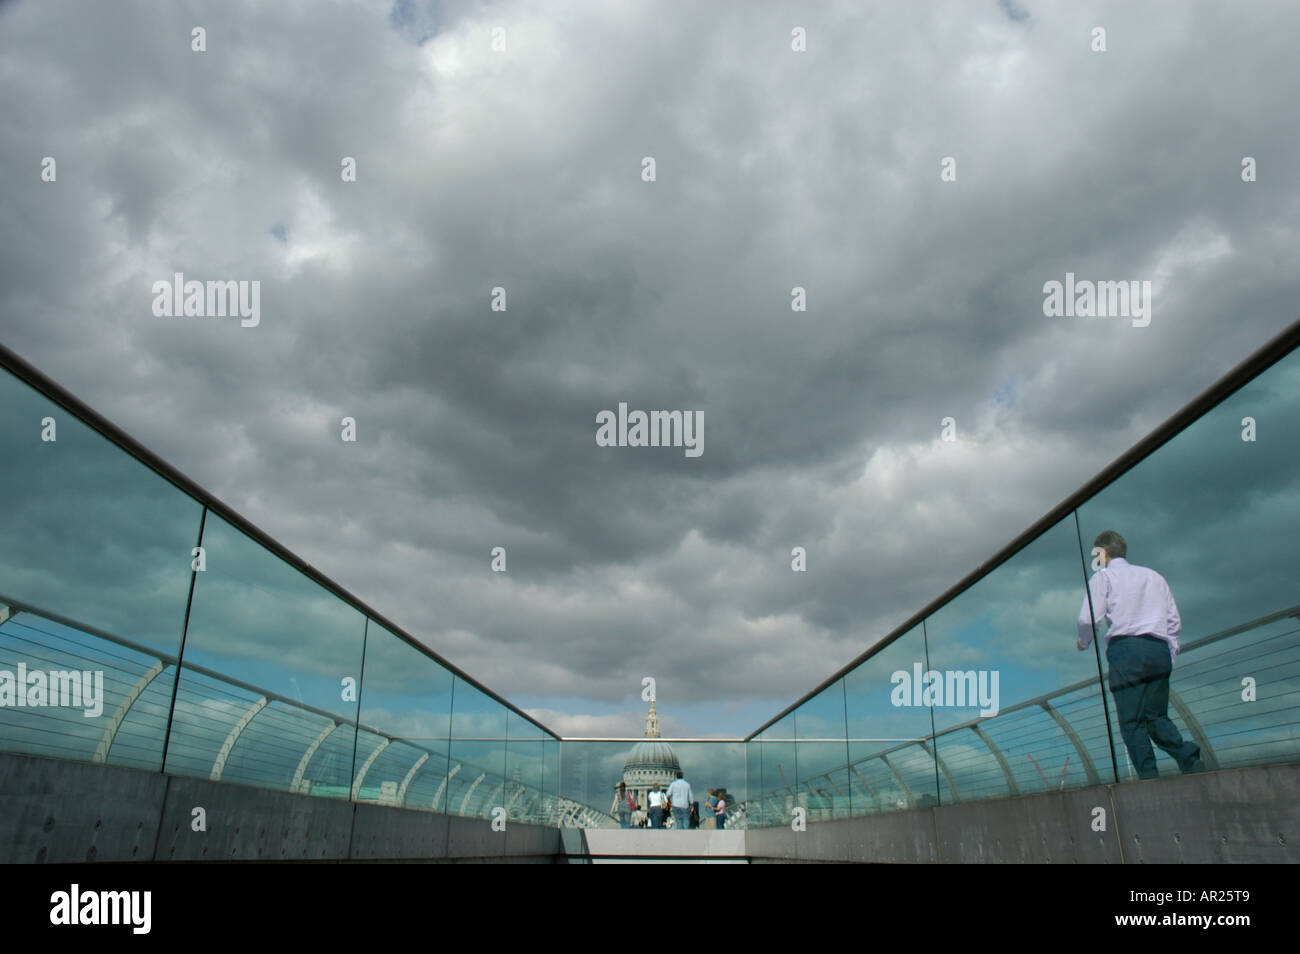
258	619
426	728
1018	620
89	533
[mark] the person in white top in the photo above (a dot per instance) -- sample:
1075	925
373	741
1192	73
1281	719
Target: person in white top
658	800
1141	646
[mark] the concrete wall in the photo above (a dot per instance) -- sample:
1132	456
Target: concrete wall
1241	816
58	811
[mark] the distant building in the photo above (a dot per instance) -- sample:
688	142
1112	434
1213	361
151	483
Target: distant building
649	762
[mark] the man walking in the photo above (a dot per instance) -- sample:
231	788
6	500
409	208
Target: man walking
1141	646
679	793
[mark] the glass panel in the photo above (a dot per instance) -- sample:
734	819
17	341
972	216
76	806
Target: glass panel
326	770
89	534
552	753
475	714
232	733
891	762
476	779
590	775
1218	517
780	775
406	700
525	770
272	746
593	770
269	688
1207	688
715	767
94	576
1018	708
753	806
94	700
822	755
374	763
95	573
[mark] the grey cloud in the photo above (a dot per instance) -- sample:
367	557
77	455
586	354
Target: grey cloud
522	170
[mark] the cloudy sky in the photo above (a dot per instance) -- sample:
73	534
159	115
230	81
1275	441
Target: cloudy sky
503	145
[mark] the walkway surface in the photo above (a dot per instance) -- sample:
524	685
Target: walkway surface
611	846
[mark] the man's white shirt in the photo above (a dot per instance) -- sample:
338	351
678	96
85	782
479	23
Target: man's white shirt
680	792
1135	600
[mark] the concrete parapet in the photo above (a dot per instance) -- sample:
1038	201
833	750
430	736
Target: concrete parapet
53	810
1244	816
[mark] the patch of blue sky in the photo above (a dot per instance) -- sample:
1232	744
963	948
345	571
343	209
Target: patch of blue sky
1013	10
416	20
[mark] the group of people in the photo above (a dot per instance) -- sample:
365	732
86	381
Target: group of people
675	808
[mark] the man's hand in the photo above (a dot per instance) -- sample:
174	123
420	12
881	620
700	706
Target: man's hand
1079	642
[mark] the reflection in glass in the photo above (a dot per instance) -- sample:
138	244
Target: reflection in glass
477	776
103	701
89	534
523	798
1018	707
269	686
754	784
822	755
405	697
891	761
92	539
780	773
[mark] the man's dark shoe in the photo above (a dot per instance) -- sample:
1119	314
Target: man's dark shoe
1193	766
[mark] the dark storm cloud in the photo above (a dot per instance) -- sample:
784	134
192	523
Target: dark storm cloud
521	169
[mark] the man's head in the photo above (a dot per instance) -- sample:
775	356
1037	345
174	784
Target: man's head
1112	544
679	773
